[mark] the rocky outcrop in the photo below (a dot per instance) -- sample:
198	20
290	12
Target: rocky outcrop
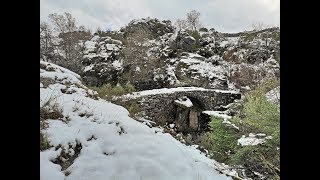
102	61
182	40
151	26
151	55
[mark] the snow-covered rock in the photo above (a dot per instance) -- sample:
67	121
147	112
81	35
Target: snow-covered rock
150	53
217	114
184	102
182	40
274	95
102	60
224	116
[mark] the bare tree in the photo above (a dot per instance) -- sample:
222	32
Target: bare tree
180	24
70	22
63	23
69	40
46	43
193	19
258	26
58	22
98	30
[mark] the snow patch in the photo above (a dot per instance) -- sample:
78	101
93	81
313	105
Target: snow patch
117	64
205	69
171	75
252	139
90	47
184	101
49	170
88	68
222	114
112	47
274	95
217	114
58	73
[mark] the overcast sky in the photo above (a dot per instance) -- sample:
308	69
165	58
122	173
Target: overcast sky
223	15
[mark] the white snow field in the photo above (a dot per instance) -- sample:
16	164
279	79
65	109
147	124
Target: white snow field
114	146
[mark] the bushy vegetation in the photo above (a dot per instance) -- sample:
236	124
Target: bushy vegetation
107	90
132	106
249	36
118	90
219	141
44	142
129	88
261	116
62	41
49	110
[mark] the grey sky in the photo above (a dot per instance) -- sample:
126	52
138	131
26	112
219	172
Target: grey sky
223	15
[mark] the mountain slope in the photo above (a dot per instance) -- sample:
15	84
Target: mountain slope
95	139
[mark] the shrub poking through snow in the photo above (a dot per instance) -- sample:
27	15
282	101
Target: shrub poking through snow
104	90
107	91
48	110
118	90
44	142
261	115
220	141
129	88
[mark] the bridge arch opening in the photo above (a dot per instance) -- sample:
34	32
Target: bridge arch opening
196	103
187	115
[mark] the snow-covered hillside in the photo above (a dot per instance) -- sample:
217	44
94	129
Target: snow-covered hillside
150	54
97	140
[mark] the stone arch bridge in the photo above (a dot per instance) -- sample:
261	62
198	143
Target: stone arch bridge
182	106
